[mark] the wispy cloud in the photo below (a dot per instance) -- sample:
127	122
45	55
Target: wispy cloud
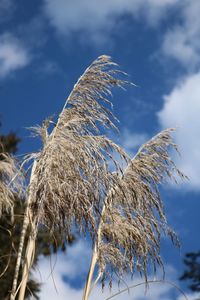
182	41
22	45
181	108
131	141
48	68
13	55
98	19
6	9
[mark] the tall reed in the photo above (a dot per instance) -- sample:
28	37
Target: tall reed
71	184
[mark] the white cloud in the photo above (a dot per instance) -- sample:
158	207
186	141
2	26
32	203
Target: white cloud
98	18
72	265
78	256
66	264
13	55
132	141
182	109
182	41
190	296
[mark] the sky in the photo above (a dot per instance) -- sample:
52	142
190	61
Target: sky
46	45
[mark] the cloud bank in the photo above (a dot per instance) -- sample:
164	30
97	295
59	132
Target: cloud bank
182	41
182	109
99	18
74	265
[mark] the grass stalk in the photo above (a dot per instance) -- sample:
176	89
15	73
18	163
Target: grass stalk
147	283
88	285
26	222
29	256
19	255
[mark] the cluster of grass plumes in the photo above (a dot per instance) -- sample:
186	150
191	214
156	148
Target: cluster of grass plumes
10	183
134	219
71	183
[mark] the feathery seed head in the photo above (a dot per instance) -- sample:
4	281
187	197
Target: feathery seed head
10	183
72	174
134	219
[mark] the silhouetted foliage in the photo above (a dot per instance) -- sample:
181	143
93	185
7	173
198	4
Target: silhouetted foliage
9	142
192	272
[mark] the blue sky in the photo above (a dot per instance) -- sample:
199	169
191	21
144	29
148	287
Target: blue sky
46	45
